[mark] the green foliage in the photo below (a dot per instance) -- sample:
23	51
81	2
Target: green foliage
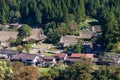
5	71
111	31
18	40
11	41
77	48
28	47
54	73
4	12
42	13
116	48
63	29
19	48
31	41
107	73
52	33
79	71
24	31
22	72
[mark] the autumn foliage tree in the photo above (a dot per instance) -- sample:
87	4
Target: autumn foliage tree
22	72
19	48
79	71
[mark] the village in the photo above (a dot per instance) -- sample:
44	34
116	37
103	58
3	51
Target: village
43	54
59	40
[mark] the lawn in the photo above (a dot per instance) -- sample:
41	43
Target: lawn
11	48
48	54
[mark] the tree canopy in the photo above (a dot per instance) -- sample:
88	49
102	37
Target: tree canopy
24	31
49	16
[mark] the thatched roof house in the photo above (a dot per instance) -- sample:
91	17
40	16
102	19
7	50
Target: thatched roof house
96	28
86	34
73	26
36	34
68	40
5	35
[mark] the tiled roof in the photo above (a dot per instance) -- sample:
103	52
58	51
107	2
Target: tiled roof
89	55
48	58
29	56
60	55
24	56
77	55
4	51
40	59
18	56
72	60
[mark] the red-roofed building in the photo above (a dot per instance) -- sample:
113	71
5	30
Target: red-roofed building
77	55
60	56
89	56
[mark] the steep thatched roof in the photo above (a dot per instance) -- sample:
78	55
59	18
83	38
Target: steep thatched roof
5	35
35	34
86	34
96	28
69	40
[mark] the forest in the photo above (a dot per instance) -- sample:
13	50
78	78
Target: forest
55	16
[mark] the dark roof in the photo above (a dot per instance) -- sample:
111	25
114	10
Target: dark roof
18	56
13	24
40	59
4	51
48	58
72	60
60	55
24	56
85	28
29	56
